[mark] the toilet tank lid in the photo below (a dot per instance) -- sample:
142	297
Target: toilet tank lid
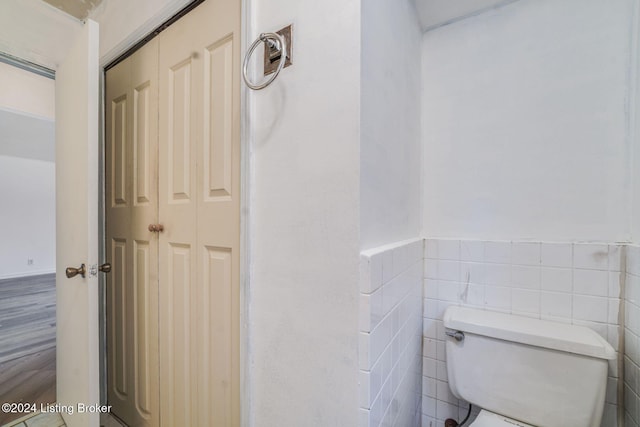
540	333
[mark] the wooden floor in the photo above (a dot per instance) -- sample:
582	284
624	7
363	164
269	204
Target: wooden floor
28	379
27	341
27	315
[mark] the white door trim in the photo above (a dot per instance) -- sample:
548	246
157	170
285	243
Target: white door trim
246	144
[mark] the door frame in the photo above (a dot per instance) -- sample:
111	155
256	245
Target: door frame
167	15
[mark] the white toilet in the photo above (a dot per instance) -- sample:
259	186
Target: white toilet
526	372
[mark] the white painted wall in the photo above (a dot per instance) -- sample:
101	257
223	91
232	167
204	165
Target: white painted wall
27	216
434	13
26	92
27	173
634	117
390	150
304	220
525	123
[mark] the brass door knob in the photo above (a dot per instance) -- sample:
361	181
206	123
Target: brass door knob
156	228
105	268
73	272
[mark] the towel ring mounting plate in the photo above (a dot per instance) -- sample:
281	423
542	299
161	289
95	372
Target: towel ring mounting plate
276	44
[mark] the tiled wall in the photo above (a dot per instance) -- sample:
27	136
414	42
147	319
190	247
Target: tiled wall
390	335
577	283
632	338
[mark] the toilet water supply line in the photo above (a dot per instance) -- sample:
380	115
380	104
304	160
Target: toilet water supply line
453	423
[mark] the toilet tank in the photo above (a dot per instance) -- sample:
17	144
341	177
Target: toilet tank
544	373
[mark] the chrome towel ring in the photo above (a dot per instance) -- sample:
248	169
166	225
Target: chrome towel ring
274	41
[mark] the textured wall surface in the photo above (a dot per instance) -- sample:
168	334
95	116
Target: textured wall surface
526	125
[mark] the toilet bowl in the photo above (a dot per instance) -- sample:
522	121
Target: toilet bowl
489	419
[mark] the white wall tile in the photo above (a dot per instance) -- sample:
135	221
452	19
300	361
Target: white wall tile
591	255
591	308
365	313
615	278
431	248
441	371
387	266
525	300
472	272
391	318
633	260
400	259
525	253
497	297
632	287
364	350
441	351
614	310
430	288
376	271
472	250
430	308
376	307
449	249
430	328
448	291
364	389
497	252
445	410
557	279
614	336
431	268
429	387
416	251
472	294
449	270
591	282
525	277
615	257
363	418
556	254
609	416
442	307
444	393
430	367
557	304
632	317
612	391
428	421
497	274
429	405
631	347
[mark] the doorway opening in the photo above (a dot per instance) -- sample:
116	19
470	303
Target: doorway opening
28	243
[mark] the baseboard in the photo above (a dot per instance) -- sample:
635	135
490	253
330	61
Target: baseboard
26	274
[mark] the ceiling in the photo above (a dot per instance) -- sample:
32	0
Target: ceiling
77	8
435	13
